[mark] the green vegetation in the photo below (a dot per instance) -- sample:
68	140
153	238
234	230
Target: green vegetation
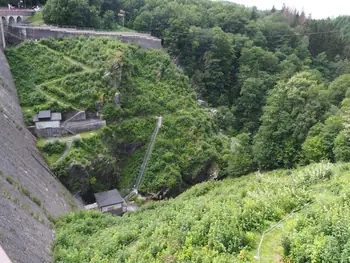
148	84
36	200
51	151
221	222
275	86
9	180
56	147
83	13
282	107
25	191
36	19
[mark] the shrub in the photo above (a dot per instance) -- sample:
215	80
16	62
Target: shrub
36	200
9	180
52	148
25	191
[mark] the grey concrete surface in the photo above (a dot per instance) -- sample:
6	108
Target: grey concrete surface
20	33
30	195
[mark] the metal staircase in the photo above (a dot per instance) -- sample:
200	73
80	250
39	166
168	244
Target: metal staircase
135	188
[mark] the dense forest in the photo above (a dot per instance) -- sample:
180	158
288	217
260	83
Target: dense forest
241	90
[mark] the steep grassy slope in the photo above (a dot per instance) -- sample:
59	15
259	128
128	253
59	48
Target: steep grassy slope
222	222
149	84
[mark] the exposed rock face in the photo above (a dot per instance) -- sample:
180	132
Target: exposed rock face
30	195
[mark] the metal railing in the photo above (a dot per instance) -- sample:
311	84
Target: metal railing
135	188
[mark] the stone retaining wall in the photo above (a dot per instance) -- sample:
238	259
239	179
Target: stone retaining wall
22	32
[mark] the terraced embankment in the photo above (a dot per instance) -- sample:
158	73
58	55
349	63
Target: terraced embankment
30	196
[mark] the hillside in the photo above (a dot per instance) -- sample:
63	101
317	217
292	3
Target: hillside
256	130
241	61
149	84
292	108
31	197
222	221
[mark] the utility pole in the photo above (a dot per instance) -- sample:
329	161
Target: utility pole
122	14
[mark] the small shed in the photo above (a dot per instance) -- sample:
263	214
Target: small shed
44	115
47	123
56	116
111	202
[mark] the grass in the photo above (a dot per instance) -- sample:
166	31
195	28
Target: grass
36	200
219	221
271	249
50	160
36	19
9	180
25	191
85	135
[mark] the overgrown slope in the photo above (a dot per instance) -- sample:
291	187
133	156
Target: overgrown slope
222	221
91	70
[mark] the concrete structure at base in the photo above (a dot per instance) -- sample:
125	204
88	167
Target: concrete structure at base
109	202
50	124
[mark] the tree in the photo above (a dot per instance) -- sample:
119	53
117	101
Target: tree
293	107
239	160
70	12
273	10
342	141
218	67
108	20
313	148
338	89
254	14
255	78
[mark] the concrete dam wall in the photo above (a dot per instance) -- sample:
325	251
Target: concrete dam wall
30	195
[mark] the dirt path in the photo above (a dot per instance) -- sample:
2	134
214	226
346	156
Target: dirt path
71	60
52	98
69	140
63	139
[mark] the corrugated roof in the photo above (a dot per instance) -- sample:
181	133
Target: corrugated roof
108	198
44	114
56	116
47	124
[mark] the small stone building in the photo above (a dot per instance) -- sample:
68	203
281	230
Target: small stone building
50	124
111	202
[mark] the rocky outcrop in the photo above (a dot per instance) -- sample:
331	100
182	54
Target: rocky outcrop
30	195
